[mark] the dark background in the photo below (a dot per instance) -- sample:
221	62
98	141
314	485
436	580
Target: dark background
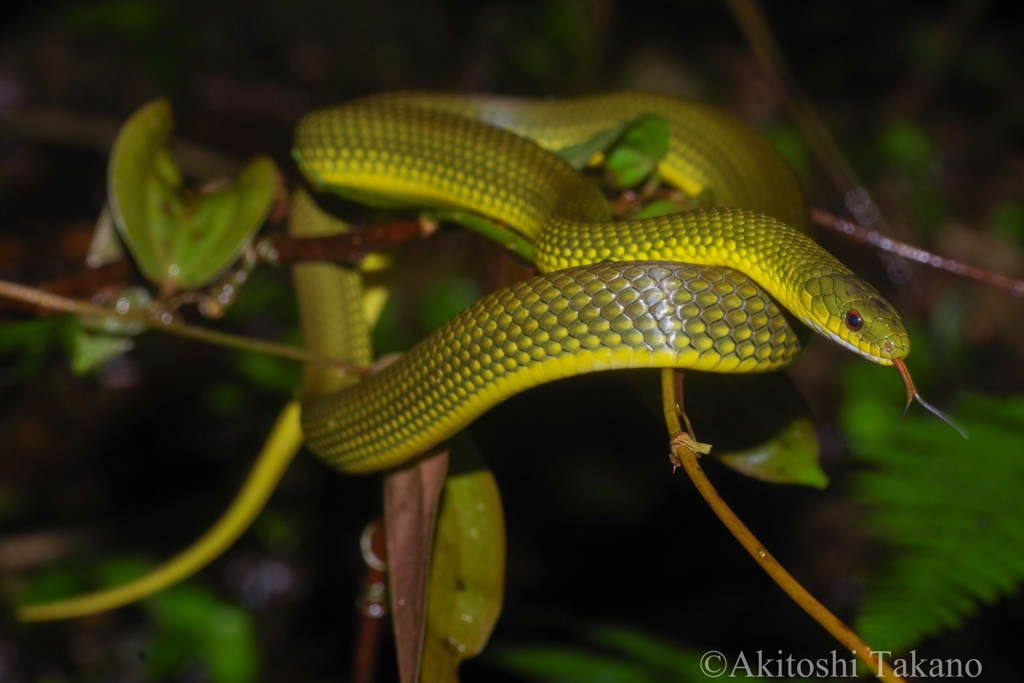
138	459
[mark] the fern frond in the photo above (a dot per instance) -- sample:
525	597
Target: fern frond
952	512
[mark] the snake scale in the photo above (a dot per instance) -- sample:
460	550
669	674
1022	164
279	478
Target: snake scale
693	290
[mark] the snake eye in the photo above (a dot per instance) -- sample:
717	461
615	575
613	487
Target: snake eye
853	320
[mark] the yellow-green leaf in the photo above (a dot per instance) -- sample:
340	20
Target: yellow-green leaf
758	426
581	155
139	177
93	349
467	571
180	240
221	223
790	457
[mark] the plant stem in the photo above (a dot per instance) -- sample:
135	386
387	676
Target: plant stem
685	457
885	243
165	323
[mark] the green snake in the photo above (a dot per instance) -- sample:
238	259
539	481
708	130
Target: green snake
713	289
689	290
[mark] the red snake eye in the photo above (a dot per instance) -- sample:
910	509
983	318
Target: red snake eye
853	320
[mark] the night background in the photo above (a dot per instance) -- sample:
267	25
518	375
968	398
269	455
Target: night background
102	473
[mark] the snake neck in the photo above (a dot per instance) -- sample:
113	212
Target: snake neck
785	262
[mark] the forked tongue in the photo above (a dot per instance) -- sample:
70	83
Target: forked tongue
912	394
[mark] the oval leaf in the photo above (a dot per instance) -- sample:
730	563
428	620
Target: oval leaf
221	223
467	571
145	187
790	457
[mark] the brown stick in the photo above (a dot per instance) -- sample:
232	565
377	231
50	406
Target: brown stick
372	604
885	243
346	248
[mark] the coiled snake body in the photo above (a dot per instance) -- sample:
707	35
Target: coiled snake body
689	290
693	290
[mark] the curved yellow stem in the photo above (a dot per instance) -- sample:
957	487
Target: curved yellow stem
683	455
281	447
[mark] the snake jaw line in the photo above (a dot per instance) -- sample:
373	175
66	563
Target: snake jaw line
829	334
913	394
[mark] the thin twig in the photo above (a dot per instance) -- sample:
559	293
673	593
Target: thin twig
687	459
372	603
908	251
166	323
750	18
86	280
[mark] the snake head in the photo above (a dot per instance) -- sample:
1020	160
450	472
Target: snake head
853	313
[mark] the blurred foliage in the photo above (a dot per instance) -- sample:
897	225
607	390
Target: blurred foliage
158	29
27	348
1008	221
630	151
949	512
93	350
903	146
193	631
617	654
790	145
634	156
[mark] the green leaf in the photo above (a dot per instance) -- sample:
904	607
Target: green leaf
1008	220
789	143
903	144
180	240
104	247
53	583
191	623
951	511
140	173
581	155
642	647
506	237
640	658
445	299
27	346
467	571
631	150
223	222
635	156
658	207
229	645
277	375
93	350
777	442
790	457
